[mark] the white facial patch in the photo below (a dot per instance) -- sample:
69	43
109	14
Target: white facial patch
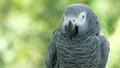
67	19
80	20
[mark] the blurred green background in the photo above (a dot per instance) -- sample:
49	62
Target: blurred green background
26	27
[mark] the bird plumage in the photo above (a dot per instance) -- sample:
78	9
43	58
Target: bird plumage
86	48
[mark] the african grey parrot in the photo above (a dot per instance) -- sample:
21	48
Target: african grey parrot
77	42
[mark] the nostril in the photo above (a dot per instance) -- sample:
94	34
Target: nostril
73	20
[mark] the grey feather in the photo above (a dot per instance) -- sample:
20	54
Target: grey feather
85	49
105	52
51	55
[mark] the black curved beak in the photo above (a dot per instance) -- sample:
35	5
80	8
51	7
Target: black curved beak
71	29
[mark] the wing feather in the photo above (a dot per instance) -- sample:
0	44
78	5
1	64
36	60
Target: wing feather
105	51
51	55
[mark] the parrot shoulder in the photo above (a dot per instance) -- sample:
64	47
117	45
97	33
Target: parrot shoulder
105	44
104	51
51	55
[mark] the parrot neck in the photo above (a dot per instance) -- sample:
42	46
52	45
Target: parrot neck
81	35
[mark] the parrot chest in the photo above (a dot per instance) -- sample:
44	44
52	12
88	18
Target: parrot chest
78	54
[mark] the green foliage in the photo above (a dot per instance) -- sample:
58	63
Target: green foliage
26	27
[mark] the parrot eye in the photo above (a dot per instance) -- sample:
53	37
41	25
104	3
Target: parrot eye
82	16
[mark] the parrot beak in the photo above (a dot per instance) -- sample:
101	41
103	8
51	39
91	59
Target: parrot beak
71	29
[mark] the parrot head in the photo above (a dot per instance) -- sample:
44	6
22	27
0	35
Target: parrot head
79	18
